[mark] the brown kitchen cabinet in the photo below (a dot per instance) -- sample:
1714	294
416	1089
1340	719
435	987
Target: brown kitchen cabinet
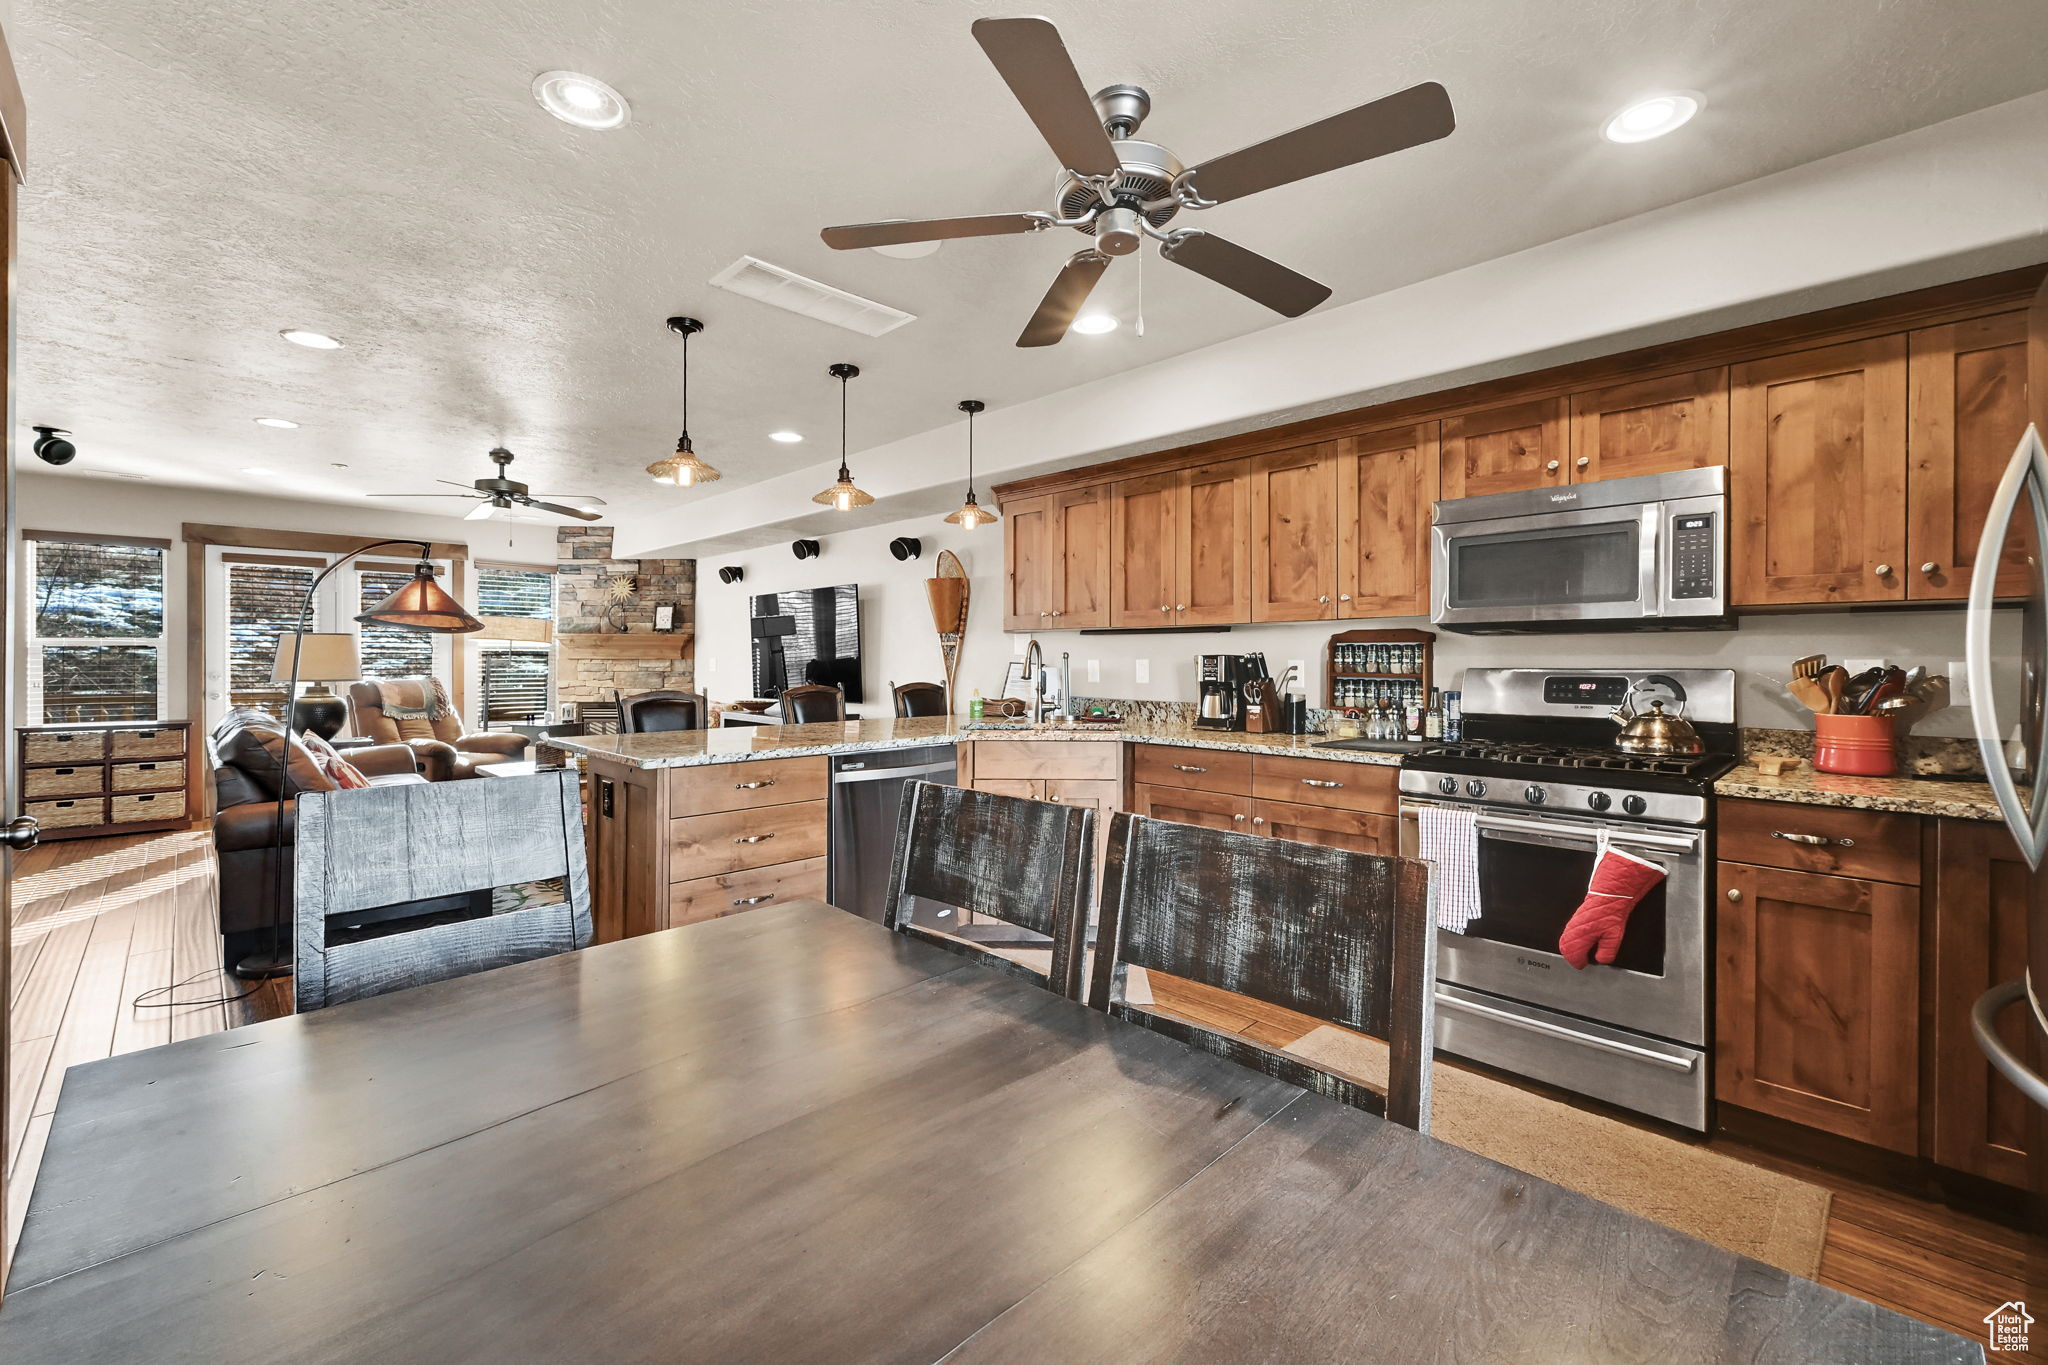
1027	563
1386	482
1980	941
1056	556
1966	411
1650	426
1816	1001
1817	476
1180	544
1190	806
1294	516
1504	449
1326	825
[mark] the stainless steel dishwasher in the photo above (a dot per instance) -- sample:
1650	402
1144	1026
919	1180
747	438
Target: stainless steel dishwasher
867	791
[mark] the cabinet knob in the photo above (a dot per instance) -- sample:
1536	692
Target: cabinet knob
1583	461
1056	613
1258	819
1930	567
1343	597
1238	818
1552	466
1324	598
1734	893
1042	615
1884	571
1165	608
1182	607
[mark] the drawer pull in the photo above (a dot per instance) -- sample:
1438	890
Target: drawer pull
65	772
749	786
1188	768
754	900
1317	782
1817	840
147	767
752	838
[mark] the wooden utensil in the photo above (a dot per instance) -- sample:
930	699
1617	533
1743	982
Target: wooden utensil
1834	680
1810	694
1810	666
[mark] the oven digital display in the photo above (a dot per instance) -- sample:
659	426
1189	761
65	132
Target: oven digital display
1565	689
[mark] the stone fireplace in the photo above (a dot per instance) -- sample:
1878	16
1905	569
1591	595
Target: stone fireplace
606	640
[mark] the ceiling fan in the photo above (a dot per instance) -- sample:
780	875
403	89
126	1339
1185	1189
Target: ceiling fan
1121	191
500	493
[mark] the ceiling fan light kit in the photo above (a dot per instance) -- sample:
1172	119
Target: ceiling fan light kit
971	513
684	469
1121	191
844	495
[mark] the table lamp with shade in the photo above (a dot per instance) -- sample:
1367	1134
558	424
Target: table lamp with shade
324	659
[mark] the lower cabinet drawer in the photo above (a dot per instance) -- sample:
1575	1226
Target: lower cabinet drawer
1837	841
733	841
1034	759
136	777
148	806
703	898
83	781
1359	831
64	746
1209	770
87	810
1324	782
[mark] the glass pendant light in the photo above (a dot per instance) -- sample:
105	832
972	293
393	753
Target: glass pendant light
684	468
972	514
843	496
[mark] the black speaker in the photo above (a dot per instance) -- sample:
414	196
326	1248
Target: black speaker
906	547
804	549
731	573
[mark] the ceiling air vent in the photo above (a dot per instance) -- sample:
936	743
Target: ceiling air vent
771	284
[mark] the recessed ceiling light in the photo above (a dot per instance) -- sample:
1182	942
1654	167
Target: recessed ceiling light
1653	116
282	423
582	100
257	471
318	341
788	438
1094	324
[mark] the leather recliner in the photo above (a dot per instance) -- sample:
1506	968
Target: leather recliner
415	712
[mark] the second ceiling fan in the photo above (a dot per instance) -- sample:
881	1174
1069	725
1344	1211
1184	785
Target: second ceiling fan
1121	191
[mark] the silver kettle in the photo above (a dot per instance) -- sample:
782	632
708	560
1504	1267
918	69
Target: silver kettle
1655	732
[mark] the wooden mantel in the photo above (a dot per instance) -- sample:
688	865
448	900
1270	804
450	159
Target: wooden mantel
673	644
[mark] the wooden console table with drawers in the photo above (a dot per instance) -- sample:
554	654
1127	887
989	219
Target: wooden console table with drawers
103	777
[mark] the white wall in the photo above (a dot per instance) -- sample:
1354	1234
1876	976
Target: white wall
117	507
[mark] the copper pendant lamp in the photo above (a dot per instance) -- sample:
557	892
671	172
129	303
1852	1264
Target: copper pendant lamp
422	604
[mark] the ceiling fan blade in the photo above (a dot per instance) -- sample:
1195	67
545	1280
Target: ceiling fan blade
423	495
558	509
1408	118
930	230
1250	274
1069	291
586	499
469	488
482	512
1033	62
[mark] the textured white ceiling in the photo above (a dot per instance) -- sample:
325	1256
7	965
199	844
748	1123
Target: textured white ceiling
207	173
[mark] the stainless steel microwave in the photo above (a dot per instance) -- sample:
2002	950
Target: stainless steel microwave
1648	553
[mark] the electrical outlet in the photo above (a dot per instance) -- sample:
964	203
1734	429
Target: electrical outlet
1300	667
1142	671
1958	683
1095	670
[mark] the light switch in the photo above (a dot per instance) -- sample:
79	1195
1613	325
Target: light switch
1095	670
1142	671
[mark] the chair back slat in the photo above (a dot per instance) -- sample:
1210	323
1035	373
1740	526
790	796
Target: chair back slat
1347	938
1027	863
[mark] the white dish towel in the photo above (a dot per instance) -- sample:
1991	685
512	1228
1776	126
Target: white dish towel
1450	838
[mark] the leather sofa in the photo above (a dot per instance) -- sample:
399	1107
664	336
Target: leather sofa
415	712
246	780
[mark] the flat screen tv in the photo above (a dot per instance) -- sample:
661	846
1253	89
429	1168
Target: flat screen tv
810	635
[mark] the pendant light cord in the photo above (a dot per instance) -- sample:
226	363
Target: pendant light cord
686	386
845	475
970	455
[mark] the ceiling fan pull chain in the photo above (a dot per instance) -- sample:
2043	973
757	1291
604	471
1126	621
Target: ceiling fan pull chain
1141	294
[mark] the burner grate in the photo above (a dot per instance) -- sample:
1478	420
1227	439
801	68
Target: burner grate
1577	758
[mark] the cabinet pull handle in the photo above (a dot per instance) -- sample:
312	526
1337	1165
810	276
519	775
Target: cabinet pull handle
1317	782
754	900
1552	466
1884	571
1817	840
752	838
1930	567
1734	893
749	786
1188	768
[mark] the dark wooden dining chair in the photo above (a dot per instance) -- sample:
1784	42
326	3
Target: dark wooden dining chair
813	704
1028	864
646	713
1348	938
920	699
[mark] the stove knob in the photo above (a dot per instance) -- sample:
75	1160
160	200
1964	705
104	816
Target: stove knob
1475	788
1447	785
1534	795
1634	805
1599	800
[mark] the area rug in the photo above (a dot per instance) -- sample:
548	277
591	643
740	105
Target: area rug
1774	1218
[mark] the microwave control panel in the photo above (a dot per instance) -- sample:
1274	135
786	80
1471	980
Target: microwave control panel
1693	548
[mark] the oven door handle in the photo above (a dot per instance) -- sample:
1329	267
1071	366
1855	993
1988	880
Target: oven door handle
1676	843
1630	1050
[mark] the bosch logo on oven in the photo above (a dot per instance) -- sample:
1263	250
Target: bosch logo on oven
1521	961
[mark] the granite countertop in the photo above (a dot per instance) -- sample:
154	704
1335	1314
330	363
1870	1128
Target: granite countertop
692	748
1905	795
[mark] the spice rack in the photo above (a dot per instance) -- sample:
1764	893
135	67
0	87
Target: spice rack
1357	666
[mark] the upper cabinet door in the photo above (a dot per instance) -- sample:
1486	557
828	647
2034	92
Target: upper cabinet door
1817	474
1080	558
1505	449
1144	518
1386	481
1027	564
1651	426
1212	575
1294	534
1968	410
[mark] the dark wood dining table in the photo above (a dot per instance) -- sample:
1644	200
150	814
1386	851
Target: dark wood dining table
791	1135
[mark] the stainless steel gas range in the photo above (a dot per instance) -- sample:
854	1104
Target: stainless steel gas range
1538	768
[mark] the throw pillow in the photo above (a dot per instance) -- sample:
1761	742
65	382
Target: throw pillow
345	775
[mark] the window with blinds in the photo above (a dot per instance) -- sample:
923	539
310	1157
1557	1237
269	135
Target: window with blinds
389	651
515	686
95	631
508	590
516	675
263	603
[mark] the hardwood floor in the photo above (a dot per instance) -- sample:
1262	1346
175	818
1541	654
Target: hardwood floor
1911	1255
96	923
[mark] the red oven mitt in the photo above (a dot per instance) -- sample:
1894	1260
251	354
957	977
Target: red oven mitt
1619	882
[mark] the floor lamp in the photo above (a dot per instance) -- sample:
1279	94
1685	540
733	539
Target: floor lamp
421	604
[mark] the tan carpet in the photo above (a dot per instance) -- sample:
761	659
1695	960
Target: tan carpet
1774	1218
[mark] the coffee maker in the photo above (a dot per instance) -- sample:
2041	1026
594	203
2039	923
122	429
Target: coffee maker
1219	705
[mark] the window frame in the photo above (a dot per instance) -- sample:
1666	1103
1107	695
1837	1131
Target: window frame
35	704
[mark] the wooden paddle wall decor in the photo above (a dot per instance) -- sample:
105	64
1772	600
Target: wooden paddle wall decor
948	594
